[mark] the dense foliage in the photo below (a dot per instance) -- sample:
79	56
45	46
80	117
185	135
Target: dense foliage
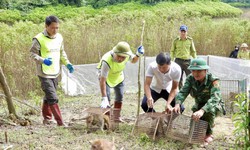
241	121
89	33
26	5
240	5
236	1
169	9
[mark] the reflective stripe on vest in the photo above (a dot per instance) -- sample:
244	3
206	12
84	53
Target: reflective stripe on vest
115	75
50	48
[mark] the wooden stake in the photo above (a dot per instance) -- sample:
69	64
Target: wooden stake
139	71
6	137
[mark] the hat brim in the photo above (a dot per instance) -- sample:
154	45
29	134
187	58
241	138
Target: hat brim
198	68
183	30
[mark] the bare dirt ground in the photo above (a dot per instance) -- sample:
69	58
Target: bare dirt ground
76	137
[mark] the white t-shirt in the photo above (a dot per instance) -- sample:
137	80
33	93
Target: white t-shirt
163	81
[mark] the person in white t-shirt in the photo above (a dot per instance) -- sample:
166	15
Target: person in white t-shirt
162	80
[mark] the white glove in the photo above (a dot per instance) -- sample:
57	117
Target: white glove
150	102
140	51
105	102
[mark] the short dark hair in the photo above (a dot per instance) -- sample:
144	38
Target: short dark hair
51	19
162	59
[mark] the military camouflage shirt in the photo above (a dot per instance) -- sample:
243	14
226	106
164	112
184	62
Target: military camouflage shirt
207	95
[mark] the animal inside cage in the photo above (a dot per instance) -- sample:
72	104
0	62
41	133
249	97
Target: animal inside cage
111	123
174	126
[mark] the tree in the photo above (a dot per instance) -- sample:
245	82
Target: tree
7	93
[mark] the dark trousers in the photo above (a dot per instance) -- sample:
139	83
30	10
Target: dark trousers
49	87
183	63
209	117
163	94
50	100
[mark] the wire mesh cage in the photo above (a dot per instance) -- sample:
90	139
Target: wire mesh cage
152	124
110	112
229	89
185	129
174	126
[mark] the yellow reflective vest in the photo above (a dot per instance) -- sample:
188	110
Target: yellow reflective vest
115	74
50	48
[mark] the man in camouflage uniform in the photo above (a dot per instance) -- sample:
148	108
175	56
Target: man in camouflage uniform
182	50
204	87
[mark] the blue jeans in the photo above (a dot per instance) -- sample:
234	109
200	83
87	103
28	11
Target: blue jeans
163	94
119	90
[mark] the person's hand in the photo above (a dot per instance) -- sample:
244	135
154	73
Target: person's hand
177	109
140	51
105	102
70	67
198	114
47	61
168	108
150	102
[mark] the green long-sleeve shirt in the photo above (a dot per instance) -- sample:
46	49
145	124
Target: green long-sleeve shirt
207	95
183	48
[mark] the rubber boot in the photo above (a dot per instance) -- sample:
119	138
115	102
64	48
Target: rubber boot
57	114
117	112
47	114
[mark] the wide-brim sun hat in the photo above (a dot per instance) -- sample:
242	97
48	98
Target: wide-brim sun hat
244	45
122	49
198	64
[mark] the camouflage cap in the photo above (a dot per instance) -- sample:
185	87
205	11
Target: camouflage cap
198	64
122	49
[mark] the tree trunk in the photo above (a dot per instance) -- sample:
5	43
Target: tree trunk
7	93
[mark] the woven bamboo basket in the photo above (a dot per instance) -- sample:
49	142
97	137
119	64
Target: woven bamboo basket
175	126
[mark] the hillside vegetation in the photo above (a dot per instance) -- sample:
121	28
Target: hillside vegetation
89	33
166	9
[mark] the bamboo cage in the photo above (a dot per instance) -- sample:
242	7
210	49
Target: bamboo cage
175	126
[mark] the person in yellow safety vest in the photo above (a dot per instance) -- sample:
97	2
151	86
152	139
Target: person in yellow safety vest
244	55
47	51
244	52
111	75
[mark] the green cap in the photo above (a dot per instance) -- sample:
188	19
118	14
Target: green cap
198	64
122	49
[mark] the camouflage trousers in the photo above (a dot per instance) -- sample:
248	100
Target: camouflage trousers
209	117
